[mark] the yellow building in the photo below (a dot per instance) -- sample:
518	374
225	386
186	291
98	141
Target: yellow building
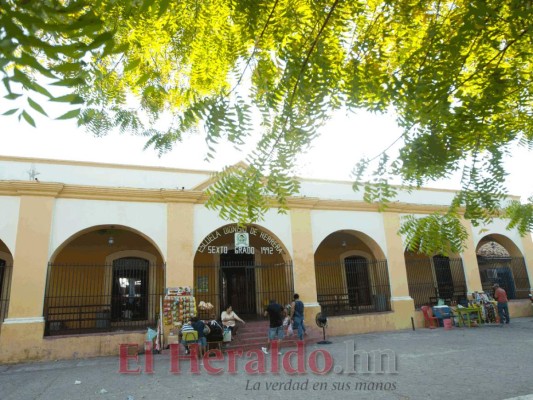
87	250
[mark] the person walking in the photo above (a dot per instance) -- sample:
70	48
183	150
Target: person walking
297	316
503	309
275	312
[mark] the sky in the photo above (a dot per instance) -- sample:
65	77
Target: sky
343	142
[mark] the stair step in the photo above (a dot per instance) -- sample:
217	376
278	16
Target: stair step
254	335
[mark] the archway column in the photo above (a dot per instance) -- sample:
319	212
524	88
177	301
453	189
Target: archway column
470	264
24	326
527	242
180	252
304	262
401	302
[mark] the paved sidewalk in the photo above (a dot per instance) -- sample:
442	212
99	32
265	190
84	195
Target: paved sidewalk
489	363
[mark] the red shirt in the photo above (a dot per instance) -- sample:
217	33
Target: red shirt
500	295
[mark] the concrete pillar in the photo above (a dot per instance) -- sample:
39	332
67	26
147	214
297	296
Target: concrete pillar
527	242
401	302
180	256
30	261
304	262
24	325
470	265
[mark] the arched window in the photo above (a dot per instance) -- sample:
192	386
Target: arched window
130	289
4	289
357	281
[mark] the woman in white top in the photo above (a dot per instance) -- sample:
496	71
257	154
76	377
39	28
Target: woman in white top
228	318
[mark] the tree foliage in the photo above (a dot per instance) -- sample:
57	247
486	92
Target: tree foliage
435	234
457	73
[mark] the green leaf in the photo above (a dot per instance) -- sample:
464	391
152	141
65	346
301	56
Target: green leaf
132	65
36	107
69	98
12	96
7	84
163	7
67	67
28	118
146	5
101	39
33	63
10	112
69	82
71	114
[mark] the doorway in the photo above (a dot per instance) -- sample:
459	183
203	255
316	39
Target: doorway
238	282
443	275
130	289
357	281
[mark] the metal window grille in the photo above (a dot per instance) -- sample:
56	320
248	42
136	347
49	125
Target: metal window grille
354	287
430	279
243	285
102	298
509	272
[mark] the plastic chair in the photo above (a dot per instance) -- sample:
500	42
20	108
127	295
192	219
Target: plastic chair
429	318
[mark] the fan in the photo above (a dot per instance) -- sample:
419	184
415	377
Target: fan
322	322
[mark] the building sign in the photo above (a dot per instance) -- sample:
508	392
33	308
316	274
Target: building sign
242	241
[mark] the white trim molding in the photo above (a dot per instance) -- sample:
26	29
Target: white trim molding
27	320
402	298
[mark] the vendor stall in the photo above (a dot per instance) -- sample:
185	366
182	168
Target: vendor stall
179	306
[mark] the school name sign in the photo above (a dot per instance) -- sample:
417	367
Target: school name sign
271	244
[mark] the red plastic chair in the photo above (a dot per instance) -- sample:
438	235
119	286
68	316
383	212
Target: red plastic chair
429	318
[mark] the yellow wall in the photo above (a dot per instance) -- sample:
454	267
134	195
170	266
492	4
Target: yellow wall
31	257
365	323
303	258
395	259
527	242
92	247
470	265
180	252
20	344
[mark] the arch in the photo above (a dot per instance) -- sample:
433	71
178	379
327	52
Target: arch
351	274
152	259
101	230
503	241
7	257
358	253
6	268
243	266
88	291
501	261
348	239
437	277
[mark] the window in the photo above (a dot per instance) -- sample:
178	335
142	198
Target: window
130	289
357	281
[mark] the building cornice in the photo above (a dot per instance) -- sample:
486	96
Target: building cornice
82	192
67	191
103	165
30	188
202	185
